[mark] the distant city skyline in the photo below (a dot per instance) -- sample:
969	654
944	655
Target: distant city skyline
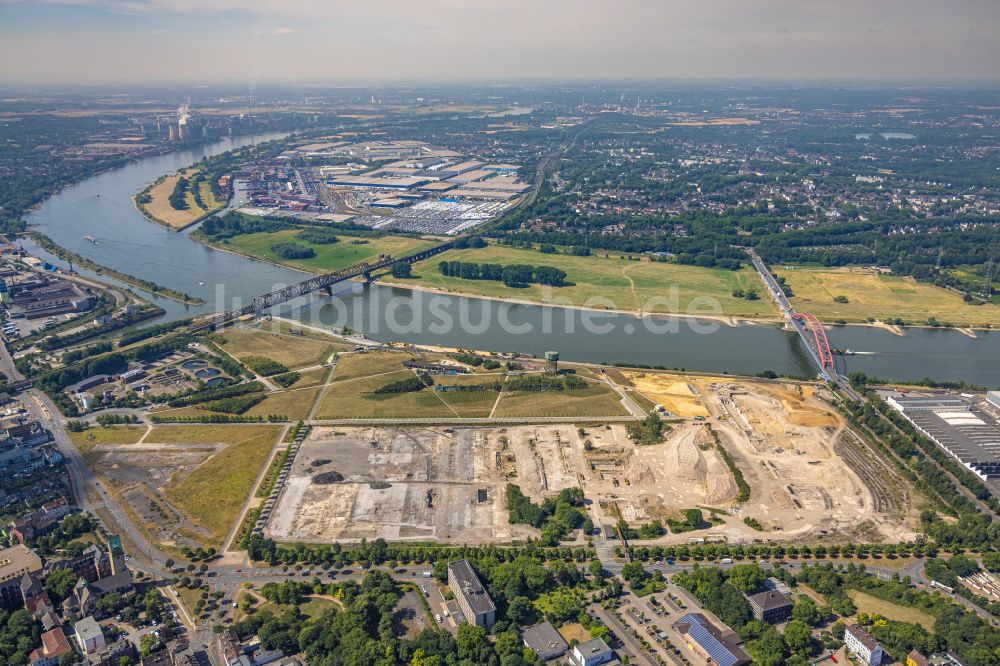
93	41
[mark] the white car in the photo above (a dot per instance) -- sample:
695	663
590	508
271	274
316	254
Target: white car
437	617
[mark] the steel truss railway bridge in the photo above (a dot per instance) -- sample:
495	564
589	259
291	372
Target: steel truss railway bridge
326	281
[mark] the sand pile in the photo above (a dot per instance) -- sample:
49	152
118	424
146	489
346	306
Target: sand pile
721	489
688	461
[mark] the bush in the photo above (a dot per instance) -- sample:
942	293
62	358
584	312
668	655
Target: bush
264	366
286	379
293	251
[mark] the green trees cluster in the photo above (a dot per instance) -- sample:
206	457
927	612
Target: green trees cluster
537	382
556	516
362	633
975	640
207	394
648	431
513	275
293	251
178	200
19	635
235	404
407	385
476	361
318	236
265	366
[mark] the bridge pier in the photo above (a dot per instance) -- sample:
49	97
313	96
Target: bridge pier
328	290
367	277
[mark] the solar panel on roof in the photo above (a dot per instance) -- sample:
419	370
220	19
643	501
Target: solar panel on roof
716	650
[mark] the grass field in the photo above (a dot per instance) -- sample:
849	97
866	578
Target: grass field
294	405
607	283
345	399
353	366
328	257
879	296
309	378
292	351
91	437
869	604
210	434
161	209
592	401
470	404
213	494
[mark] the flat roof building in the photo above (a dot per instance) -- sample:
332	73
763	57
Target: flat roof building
470	594
592	653
89	635
544	640
968	432
15	562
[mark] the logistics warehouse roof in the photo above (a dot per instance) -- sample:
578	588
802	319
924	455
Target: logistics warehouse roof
473	591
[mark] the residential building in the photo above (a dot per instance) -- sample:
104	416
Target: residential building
38	522
54	645
917	659
89	635
861	644
112	653
544	640
233	653
472	598
592	653
15	562
723	648
32	593
770	606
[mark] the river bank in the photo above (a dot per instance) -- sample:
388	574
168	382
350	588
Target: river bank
49	245
101	207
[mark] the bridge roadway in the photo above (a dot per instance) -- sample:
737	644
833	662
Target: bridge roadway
807	326
794	318
326	281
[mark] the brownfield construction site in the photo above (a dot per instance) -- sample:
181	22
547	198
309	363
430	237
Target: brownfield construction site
807	479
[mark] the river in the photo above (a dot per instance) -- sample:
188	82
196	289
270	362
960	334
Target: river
101	207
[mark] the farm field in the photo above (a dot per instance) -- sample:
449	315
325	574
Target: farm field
349	250
607	283
880	297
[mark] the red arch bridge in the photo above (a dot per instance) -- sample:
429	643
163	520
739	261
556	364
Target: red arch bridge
819	344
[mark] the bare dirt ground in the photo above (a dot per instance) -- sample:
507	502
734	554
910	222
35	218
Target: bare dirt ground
807	480
400	484
139	474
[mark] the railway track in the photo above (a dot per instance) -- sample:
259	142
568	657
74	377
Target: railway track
882	497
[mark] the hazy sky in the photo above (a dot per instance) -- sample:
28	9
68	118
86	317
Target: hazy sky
331	40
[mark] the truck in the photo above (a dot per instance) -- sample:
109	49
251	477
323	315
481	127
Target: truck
426	574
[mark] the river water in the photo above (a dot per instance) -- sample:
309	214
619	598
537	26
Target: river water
101	207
